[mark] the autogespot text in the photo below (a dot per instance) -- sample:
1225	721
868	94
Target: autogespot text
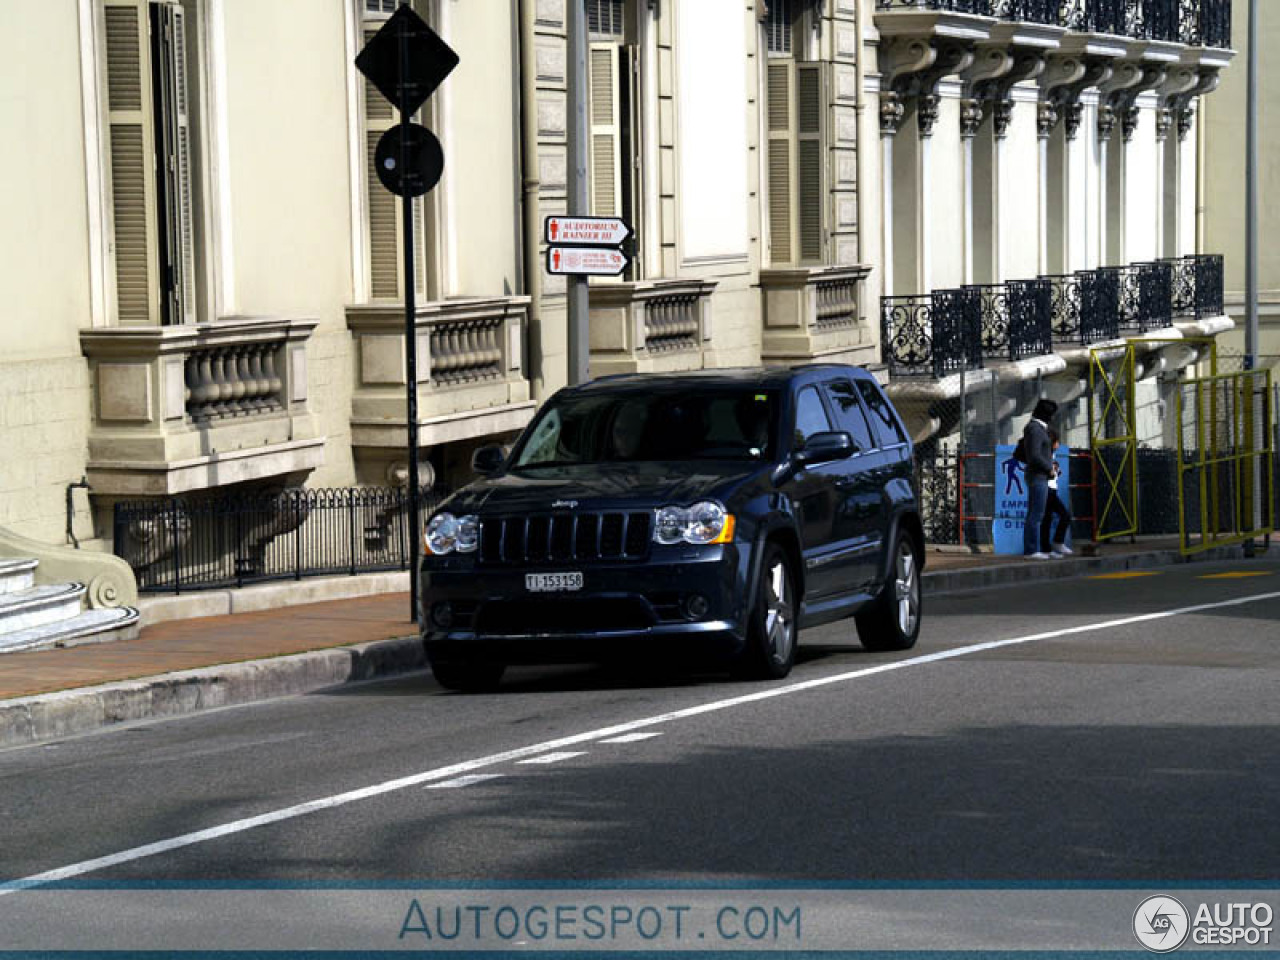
488	924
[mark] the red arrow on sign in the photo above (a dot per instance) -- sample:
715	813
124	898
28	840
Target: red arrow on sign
586	261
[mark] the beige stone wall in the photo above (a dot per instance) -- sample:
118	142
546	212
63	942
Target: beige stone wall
44	418
44	269
290	186
1223	120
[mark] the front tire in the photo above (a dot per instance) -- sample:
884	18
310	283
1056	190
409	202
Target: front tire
468	676
772	631
892	621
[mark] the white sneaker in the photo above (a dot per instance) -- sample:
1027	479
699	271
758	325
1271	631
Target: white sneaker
1062	550
1036	556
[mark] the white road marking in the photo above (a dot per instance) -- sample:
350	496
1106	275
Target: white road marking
632	737
466	781
555	757
520	753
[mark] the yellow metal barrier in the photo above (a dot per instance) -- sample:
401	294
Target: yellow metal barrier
1226	459
1111	427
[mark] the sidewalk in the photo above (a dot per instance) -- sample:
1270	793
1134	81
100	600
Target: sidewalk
187	665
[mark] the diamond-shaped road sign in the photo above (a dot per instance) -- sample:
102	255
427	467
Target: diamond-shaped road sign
429	58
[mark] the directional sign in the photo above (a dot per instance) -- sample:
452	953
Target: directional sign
586	261
429	60
423	164
589	231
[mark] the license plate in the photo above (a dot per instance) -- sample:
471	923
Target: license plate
552	582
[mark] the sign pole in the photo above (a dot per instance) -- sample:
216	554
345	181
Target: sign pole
579	305
410	336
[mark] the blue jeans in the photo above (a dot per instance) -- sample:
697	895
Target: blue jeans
1037	496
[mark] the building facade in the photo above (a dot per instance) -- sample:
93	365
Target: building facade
204	272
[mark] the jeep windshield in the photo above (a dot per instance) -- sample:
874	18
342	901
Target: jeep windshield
633	427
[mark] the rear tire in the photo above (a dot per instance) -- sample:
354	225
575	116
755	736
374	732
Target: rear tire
468	676
772	631
892	620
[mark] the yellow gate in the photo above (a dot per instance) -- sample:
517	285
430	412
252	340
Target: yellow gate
1226	459
1113	438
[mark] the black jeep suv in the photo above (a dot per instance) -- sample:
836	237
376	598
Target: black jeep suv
668	516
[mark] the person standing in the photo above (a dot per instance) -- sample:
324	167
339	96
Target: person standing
1055	508
1039	454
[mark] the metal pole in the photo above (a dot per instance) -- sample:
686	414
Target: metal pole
1251	197
410	341
577	204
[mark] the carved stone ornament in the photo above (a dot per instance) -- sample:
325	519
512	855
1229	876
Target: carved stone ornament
1185	116
970	117
1106	122
927	113
1046	119
892	111
1164	121
1001	117
1129	123
1074	114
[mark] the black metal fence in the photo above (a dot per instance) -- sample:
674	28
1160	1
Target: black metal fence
945	331
176	545
1194	22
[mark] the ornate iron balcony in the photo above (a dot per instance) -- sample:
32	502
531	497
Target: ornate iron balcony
947	331
1194	22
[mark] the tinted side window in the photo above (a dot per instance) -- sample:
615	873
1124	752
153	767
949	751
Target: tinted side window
849	415
882	418
811	416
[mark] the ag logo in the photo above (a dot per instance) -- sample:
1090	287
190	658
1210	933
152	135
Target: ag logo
1161	924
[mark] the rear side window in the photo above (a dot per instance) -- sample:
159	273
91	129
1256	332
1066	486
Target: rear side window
882	416
849	415
811	416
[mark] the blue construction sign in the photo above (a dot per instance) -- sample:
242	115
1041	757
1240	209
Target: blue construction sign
1010	510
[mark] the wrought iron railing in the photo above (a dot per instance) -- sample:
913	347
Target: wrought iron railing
1196	22
949	330
176	545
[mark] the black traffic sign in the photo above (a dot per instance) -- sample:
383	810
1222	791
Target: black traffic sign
423	160
430	60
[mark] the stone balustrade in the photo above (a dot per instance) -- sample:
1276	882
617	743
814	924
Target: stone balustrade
188	407
650	326
242	380
472	378
814	314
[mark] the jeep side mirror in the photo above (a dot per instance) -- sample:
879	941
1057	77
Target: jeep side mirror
824	448
488	460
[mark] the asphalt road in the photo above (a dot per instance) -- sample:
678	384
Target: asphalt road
1138	750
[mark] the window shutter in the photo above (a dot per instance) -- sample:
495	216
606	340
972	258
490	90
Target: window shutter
809	160
132	165
175	136
386	225
606	172
780	116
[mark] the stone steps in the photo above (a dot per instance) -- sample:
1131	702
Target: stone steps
51	615
17	575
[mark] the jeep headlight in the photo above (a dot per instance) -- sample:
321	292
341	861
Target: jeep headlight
704	522
448	534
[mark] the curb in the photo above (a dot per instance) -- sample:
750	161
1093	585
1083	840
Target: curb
1010	574
47	716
